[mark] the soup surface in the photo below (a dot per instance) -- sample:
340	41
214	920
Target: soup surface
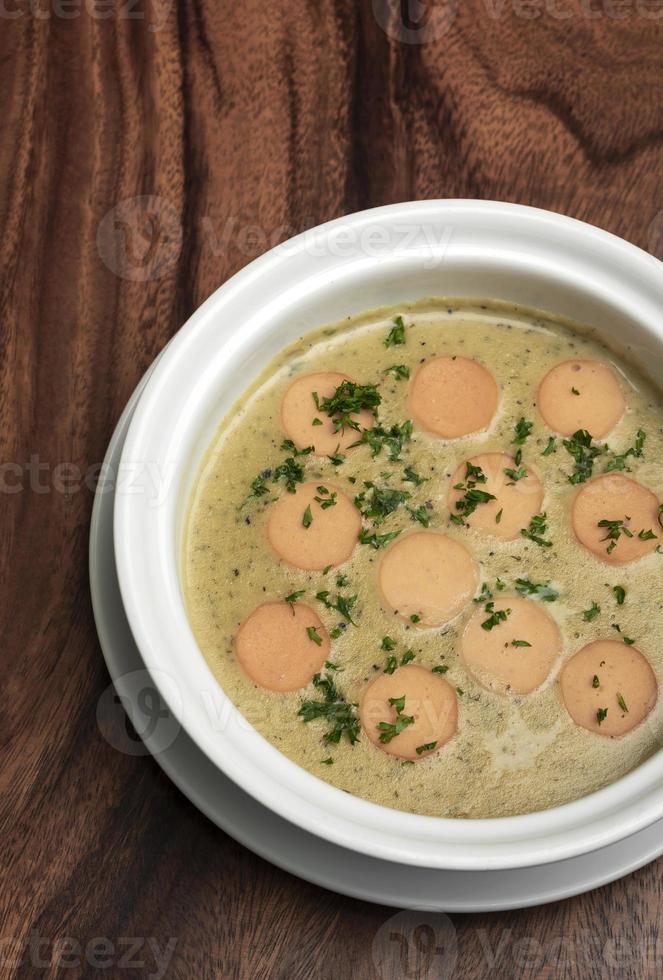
461	614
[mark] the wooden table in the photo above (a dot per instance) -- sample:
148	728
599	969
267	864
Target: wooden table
235	125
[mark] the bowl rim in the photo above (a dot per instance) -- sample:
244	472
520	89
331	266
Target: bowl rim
149	578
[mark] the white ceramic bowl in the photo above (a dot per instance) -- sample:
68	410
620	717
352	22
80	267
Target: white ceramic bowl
384	256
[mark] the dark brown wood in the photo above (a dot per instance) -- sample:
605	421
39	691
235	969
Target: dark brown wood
247	121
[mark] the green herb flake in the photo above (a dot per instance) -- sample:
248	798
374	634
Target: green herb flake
407	657
388	644
390	730
622	703
619	593
314	635
614	529
539	590
396	335
327	762
440	669
420	515
340	715
595	681
496	617
411	476
347	401
400	372
522	431
551	446
601	715
584	452
472	497
591	613
520	643
498	515
376	540
414	618
293	597
307	519
426	747
537	527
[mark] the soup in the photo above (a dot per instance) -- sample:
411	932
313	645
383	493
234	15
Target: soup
423	558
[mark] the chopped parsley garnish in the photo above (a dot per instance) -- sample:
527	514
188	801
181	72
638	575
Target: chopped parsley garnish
498	515
307	519
420	515
334	709
317	421
288	446
314	635
414	618
595	681
551	446
500	585
327	762
390	730
337	458
325	498
258	488
520	643
342	604
620	594
426	747
440	669
348	400
591	613
619	461
485	595
407	657
622	703
399	371
392	664
628	641
522	431
601	715
411	476
388	643
376	540
291	472
647	535
540	590
496	616
515	475
397	333
293	597
472	497
392	439
584	452
341	581
378	502
536	529
615	529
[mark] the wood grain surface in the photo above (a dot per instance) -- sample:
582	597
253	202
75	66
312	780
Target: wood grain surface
149	150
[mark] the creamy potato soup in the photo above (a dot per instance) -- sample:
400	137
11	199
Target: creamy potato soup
424	558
